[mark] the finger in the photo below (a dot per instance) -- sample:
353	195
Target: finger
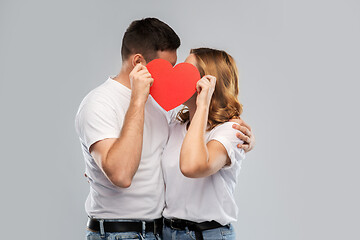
243	137
202	88
142	72
204	83
203	79
135	70
151	81
137	67
213	82
208	77
146	75
245	131
198	88
141	65
144	68
241	122
211	79
242	129
245	124
236	126
243	146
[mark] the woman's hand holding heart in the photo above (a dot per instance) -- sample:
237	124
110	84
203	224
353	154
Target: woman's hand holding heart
205	88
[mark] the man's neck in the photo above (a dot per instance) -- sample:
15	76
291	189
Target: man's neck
123	77
192	110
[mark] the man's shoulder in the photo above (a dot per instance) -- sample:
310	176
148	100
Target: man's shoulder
109	92
93	100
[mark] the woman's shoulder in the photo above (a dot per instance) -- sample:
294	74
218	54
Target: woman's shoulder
224	132
224	128
226	135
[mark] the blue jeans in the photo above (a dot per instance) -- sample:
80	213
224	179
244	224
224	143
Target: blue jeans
90	235
224	233
119	236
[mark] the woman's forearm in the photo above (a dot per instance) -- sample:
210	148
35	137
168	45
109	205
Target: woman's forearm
194	153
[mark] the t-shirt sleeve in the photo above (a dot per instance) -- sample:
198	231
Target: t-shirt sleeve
226	135
96	121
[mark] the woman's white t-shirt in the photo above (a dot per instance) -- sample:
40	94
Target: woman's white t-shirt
201	199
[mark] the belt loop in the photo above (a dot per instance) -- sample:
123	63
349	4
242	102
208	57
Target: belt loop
157	225
102	231
143	228
199	235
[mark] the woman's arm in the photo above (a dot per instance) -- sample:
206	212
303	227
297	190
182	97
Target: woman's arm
198	159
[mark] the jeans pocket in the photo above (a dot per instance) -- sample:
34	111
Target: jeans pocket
93	235
127	236
228	233
220	233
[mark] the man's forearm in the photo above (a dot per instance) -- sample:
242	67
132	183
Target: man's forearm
123	158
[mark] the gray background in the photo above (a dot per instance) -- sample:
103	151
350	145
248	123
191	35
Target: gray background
299	66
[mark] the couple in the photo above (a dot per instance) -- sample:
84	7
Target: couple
155	174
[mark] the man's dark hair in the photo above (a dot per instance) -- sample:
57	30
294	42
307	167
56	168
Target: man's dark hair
147	36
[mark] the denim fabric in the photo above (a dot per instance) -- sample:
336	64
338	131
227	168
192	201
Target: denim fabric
119	235
220	233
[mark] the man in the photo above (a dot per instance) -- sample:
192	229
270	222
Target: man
123	132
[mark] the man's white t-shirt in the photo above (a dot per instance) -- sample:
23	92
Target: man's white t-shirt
201	199
101	115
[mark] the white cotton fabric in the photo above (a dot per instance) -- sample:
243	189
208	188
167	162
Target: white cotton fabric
100	116
201	199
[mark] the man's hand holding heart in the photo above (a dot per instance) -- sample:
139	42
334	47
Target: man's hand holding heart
141	81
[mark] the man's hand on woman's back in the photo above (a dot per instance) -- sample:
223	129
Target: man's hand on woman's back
248	137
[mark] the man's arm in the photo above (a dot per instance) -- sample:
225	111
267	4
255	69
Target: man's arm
119	158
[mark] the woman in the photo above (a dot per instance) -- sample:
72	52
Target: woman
201	161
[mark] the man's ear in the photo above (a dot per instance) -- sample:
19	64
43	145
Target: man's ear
138	58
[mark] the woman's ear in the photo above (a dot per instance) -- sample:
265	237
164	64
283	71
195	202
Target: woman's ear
138	58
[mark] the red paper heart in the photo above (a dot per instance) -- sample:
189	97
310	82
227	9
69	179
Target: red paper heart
172	86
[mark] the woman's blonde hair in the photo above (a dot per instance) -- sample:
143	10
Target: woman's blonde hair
224	103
